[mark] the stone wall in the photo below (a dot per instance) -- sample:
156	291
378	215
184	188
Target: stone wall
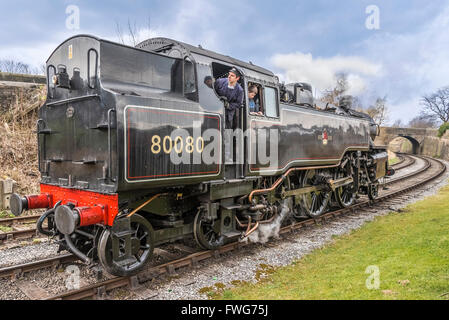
29	78
436	147
430	144
7	188
16	89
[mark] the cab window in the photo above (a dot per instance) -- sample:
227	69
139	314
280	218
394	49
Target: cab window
255	106
271	102
189	87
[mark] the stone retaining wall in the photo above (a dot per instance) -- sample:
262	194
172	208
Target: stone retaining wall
436	147
18	88
30	78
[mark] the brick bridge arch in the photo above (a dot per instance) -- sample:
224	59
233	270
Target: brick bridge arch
415	135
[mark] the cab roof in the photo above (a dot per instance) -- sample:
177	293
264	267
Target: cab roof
160	42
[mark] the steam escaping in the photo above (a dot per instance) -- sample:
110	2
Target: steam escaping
271	230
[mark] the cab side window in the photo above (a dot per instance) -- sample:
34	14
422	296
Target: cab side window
255	106
189	87
271	102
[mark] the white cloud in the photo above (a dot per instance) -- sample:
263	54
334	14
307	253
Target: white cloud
401	66
198	22
190	22
34	55
321	72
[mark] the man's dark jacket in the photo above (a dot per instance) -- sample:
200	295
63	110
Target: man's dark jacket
234	96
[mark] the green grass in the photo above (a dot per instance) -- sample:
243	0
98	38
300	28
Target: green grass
6	214
442	129
393	161
5	229
412	247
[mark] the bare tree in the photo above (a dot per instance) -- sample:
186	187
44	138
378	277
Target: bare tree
437	104
341	86
133	33
379	111
131	36
423	121
12	66
398	124
357	104
119	32
43	69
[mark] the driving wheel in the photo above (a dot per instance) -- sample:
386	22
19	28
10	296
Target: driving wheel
142	246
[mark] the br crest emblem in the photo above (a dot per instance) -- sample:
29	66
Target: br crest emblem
325	137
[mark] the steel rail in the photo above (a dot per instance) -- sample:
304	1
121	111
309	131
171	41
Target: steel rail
10	235
19	219
425	168
401	160
14	271
405	163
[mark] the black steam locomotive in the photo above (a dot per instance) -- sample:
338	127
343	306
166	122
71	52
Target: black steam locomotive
132	154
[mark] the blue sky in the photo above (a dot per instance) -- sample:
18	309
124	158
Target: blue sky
408	56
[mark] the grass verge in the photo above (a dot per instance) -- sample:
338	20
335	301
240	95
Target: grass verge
5	229
393	161
409	249
6	214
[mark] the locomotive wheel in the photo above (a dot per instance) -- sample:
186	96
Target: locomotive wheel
207	233
295	207
373	191
314	203
298	213
142	246
345	195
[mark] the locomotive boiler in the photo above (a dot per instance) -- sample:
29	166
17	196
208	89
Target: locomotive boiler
132	155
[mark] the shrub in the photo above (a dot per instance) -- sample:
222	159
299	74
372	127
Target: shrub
443	129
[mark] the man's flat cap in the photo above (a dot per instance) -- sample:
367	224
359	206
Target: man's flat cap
236	72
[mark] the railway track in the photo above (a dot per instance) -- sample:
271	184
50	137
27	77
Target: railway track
22	219
411	174
401	160
192	258
14	271
17	224
406	161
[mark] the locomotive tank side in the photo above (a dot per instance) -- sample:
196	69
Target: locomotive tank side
309	137
160	132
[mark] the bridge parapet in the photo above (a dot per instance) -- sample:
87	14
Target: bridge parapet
415	135
408	131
